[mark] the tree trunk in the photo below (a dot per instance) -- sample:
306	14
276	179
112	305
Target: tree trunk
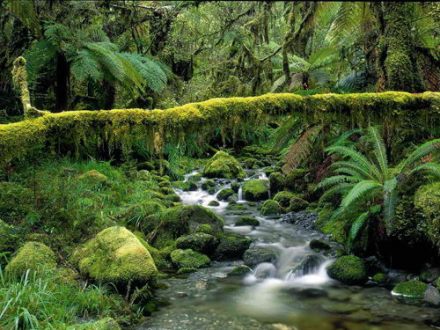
397	61
62	83
109	95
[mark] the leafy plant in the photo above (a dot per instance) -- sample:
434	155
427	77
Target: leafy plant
366	179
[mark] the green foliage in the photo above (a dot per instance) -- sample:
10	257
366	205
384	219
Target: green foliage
43	301
366	179
427	202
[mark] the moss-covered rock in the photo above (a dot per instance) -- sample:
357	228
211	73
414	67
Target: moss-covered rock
115	255
104	324
205	228
223	165
181	220
213	203
296	180
247	221
349	270
270	207
188	260
32	256
284	197
277	182
256	190
379	278
427	201
297	204
224	194
200	242
208	184
185	185
232	246
410	291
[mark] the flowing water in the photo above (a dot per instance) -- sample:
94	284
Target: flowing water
292	292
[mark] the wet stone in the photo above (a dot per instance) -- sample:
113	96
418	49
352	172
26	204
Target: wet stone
340	308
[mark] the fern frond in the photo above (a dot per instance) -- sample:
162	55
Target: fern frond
25	12
357	227
430	168
300	149
339	189
359	190
352	168
421	151
379	150
336	179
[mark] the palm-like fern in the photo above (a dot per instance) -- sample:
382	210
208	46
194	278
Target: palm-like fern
367	179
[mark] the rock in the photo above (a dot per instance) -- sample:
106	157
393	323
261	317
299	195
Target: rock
340	308
380	278
310	264
297	204
115	255
302	219
224	194
270	207
213	203
223	165
339	295
200	242
430	275
188	260
256	190
32	256
259	254
235	186
104	324
247	221
432	296
207	184
319	245
305	292
296	180
348	270
232	246
284	197
205	228
411	292
277	182
240	270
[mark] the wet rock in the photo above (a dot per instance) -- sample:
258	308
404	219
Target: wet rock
349	270
339	295
310	264
319	245
256	190
224	194
309	292
232	246
432	296
270	207
213	203
200	242
302	219
297	204
430	275
188	260
235	186
277	182
223	165
340	308
380	278
410	292
240	270
247	221
259	254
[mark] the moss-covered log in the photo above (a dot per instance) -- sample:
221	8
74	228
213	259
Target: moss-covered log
192	126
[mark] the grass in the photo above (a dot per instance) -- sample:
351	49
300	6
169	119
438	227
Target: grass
45	301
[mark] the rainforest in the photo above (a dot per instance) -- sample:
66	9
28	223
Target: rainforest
267	165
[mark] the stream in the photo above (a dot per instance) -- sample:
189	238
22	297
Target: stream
292	292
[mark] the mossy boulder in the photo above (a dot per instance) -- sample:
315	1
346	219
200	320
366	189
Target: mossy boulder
247	221
296	180
232	246
380	278
213	203
181	220
200	242
270	207
223	165
32	256
277	182
188	260
115	255
104	324
410	291
205	228
256	190
259	254
208	184
284	197
224	194
427	202
297	204
348	270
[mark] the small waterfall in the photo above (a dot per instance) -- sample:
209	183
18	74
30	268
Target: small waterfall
240	194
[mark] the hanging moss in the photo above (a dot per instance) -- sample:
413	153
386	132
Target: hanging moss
193	126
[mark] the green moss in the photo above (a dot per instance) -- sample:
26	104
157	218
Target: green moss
379	278
284	197
200	242
412	290
185	185
115	255
223	165
16	202
270	207
437	283
207	184
333	227
348	269
277	182
247	221
8	238
427	202
32	256
93	177
256	190
213	203
205	228
232	246
105	324
224	194
189	260
297	204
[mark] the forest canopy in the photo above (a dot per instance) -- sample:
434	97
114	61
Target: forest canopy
158	54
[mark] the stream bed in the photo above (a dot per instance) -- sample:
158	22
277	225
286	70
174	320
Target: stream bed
292	291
